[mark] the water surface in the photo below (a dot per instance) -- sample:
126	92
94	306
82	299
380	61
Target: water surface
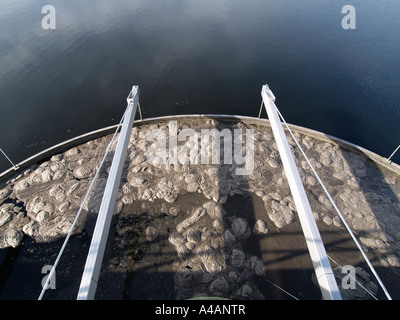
198	57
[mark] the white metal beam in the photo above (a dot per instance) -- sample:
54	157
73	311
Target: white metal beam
322	267
94	260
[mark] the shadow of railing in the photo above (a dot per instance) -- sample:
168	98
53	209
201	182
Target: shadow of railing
376	220
359	184
155	270
135	267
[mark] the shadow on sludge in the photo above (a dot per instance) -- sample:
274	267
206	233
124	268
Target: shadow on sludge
153	254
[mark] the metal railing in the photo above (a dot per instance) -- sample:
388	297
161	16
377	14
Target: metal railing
268	100
316	249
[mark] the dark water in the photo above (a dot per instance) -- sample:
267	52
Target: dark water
198	57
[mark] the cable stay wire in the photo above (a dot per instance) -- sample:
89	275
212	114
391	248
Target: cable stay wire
14	166
390	157
283	290
334	205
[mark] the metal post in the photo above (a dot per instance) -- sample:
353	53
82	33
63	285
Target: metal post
322	267
94	260
140	112
259	114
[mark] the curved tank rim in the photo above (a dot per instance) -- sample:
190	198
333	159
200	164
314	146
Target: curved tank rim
70	143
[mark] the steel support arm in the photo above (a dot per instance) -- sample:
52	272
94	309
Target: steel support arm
322	267
94	260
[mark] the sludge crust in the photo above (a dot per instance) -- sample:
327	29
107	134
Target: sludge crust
154	254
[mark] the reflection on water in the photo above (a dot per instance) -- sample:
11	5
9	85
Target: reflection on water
197	57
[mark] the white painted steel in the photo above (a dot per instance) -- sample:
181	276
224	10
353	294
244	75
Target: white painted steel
322	267
94	260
